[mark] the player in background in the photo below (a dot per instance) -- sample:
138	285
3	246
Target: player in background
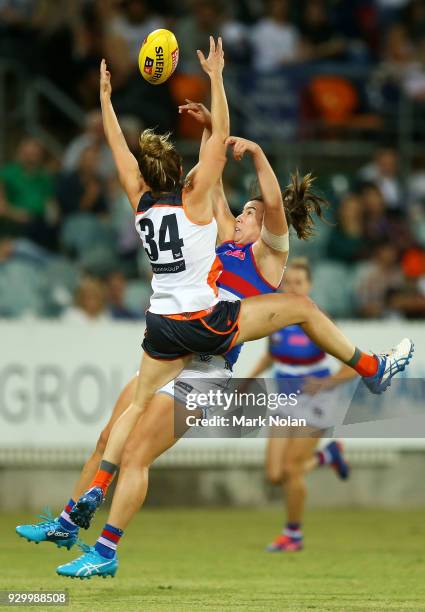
298	364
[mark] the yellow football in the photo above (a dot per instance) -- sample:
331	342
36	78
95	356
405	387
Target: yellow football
158	56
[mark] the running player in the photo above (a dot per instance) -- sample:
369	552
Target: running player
296	360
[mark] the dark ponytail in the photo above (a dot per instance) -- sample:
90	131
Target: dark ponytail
301	202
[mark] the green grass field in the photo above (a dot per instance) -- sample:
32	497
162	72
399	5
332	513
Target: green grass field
215	560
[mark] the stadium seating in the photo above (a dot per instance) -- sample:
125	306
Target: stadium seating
21	289
137	296
81	232
332	288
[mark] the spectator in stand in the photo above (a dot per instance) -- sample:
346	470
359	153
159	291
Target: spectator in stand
193	30
409	299
346	242
383	172
27	207
18	31
414	20
396	57
116	285
83	190
319	40
275	40
134	21
414	77
89	304
379	224
93	136
376	282
125	26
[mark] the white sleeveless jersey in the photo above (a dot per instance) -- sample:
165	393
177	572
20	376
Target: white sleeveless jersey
182	255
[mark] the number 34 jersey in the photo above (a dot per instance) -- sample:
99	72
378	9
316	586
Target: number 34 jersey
182	255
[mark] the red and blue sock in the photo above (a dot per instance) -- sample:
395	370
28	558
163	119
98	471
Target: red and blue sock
293	531
324	457
64	519
108	541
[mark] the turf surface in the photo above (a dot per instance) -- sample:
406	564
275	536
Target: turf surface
215	560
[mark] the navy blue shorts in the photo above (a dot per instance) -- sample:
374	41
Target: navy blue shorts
214	334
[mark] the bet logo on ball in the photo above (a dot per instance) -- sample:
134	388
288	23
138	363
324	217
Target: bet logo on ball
158	56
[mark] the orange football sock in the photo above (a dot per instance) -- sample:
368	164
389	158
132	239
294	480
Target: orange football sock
104	476
364	364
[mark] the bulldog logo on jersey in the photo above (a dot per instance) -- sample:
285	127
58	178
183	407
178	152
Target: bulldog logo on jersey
239	254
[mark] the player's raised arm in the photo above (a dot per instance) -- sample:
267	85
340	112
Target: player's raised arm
202	115
208	171
222	213
127	166
274	233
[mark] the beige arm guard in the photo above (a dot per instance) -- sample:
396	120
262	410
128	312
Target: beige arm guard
278	243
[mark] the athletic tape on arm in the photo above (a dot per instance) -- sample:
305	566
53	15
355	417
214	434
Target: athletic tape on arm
278	243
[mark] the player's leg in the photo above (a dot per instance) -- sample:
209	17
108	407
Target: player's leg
153	375
92	464
61	530
263	315
277	443
297	452
331	455
152	435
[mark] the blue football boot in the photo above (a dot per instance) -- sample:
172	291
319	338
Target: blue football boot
91	563
339	463
48	529
85	508
390	364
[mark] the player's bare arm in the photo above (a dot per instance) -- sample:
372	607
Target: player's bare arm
212	159
271	248
222	213
127	166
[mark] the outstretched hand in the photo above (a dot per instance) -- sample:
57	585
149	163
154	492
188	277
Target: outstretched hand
198	111
105	80
214	63
241	146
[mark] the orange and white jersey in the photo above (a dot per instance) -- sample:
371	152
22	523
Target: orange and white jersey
182	255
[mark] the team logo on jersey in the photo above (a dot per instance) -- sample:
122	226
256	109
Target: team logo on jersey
298	340
239	254
148	65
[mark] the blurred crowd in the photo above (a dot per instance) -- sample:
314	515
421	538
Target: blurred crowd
65	41
68	246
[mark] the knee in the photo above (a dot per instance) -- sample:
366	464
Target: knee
274	474
135	456
292	470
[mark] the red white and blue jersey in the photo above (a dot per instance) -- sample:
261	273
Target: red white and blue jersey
240	278
296	356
